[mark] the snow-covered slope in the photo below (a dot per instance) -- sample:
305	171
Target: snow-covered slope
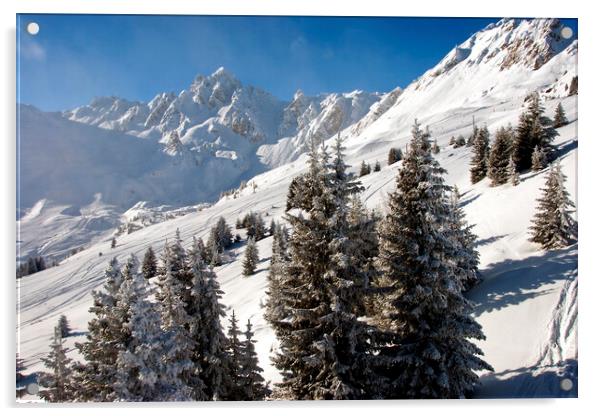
527	302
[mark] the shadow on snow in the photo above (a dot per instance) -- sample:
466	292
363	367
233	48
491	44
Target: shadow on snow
511	282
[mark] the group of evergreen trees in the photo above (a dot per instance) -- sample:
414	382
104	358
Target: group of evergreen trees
457	142
255	226
528	146
32	265
169	349
405	276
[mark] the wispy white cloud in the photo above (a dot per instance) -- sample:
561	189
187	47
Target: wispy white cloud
30	49
299	46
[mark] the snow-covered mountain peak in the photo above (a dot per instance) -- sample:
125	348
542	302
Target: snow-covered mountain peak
216	90
506	44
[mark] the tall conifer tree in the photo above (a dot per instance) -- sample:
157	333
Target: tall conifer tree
553	226
429	354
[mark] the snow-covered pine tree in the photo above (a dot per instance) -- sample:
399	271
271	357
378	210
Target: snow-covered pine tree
356	226
538	159
452	141
500	156
113	242
541	140
435	147
467	257
553	226
143	373
322	344
177	267
149	264
272	228
559	117
249	263
473	136
522	150
394	156
294	196
205	310
273	308
252	383
363	238
377	166
428	353
214	257
234	350
57	383
533	129
63	324
364	169
513	176
255	226
106	337
478	164
175	320
222	234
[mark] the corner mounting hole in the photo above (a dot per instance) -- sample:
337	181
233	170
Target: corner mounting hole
33	28
566	32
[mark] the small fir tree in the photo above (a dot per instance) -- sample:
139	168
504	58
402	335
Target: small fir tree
364	169
57	382
513	176
500	156
275	311
553	226
394	156
251	259
113	242
149	264
460	141
377	166
272	228
560	117
538	159
252	383
234	351
478	169
64	326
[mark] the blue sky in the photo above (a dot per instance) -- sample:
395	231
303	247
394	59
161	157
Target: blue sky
77	57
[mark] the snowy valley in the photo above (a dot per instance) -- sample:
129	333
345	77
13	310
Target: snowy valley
140	171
